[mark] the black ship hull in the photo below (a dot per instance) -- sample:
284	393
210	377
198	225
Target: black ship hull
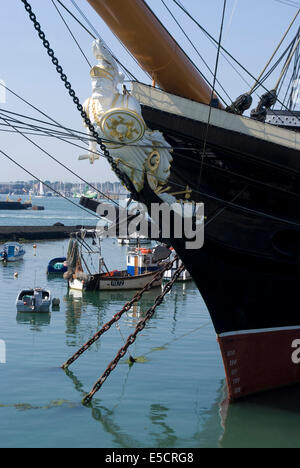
248	270
247	174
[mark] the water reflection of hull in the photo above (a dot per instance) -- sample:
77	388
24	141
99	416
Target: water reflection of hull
36	319
97	298
266	420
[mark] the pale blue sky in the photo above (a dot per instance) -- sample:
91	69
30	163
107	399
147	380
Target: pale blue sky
252	30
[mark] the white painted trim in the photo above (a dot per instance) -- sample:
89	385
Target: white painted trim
261	330
157	99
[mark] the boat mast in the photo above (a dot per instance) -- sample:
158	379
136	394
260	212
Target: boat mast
154	48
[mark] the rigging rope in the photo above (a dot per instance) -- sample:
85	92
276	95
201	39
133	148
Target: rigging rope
122	176
288	3
228	53
72	35
46	185
98	35
35	108
59	162
199	55
275	52
266	76
230	172
212	92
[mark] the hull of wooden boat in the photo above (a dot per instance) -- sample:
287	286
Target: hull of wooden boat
114	283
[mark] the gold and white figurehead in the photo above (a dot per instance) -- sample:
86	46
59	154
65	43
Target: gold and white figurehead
117	117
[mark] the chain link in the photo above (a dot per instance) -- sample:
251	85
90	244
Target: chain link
117	316
131	339
121	175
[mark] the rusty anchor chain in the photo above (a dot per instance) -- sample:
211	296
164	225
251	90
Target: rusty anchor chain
131	338
117	316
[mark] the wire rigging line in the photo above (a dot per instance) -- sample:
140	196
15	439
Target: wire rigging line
287	51
213	90
226	51
128	72
98	35
288	3
50	134
85	18
74	133
288	61
76	19
275	52
175	184
54	121
56	134
38	110
72	35
198	53
213	41
59	162
46	185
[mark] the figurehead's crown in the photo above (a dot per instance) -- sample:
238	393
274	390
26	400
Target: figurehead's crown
102	72
107	66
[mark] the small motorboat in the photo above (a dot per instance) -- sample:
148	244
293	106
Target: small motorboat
12	252
34	300
57	266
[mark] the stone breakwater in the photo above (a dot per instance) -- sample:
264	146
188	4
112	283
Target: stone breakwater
34	233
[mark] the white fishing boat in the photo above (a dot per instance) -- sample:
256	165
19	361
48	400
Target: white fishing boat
113	280
34	300
12	252
140	270
140	261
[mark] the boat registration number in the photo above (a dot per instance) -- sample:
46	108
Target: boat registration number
117	283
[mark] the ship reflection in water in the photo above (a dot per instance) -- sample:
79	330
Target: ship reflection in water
103	302
268	420
265	420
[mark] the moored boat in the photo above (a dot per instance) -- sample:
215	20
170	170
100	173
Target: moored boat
12	252
57	266
141	269
112	281
34	300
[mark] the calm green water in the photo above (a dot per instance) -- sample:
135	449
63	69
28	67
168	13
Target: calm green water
171	399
